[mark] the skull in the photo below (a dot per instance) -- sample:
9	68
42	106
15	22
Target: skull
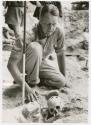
54	105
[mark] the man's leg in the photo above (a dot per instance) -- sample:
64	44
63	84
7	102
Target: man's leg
51	75
33	62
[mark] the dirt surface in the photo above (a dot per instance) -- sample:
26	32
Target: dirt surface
75	98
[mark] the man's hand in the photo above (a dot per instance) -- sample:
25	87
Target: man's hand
31	95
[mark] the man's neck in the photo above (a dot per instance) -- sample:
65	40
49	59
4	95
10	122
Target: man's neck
41	34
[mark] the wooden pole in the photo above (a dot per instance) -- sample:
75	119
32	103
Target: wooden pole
24	48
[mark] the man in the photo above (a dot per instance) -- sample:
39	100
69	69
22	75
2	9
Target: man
14	17
43	50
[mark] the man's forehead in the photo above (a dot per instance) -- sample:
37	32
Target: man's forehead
49	18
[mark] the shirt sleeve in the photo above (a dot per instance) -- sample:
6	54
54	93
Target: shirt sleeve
59	46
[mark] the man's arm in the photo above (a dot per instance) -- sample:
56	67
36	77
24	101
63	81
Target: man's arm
14	70
16	74
61	63
60	51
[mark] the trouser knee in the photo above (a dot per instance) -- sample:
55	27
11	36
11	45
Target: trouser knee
36	48
33	59
34	52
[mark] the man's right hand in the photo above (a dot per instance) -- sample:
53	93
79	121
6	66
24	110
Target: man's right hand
31	95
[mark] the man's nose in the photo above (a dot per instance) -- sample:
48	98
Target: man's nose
51	26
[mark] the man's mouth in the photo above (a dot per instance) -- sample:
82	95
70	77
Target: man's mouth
49	32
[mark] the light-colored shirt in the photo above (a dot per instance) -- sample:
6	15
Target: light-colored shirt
54	42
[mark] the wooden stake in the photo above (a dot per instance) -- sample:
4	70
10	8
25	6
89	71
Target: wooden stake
24	48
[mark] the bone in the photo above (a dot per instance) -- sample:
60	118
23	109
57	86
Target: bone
53	103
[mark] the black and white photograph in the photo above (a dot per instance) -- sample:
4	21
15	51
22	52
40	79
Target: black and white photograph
45	61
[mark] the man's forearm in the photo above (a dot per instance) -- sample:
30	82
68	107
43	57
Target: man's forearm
61	63
17	75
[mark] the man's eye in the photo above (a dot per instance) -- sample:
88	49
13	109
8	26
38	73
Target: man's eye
54	24
51	24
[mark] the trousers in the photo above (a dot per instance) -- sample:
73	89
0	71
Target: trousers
45	69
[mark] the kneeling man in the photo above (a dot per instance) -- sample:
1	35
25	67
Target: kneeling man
44	53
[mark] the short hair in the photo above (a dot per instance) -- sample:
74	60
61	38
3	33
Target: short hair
49	8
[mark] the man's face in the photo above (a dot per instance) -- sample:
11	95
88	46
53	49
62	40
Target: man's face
48	23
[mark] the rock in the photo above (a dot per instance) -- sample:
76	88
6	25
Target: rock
81	58
12	90
85	45
84	68
24	113
71	48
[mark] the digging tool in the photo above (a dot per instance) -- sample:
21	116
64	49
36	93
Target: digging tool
24	47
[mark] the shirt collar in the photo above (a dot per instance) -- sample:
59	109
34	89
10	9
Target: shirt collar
41	34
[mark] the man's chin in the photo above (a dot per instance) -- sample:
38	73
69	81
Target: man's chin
49	33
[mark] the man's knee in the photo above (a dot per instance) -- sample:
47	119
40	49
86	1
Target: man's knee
36	48
33	57
61	83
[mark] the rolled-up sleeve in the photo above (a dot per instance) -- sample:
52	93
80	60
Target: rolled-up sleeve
59	46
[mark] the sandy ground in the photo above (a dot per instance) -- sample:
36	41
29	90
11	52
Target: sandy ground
76	100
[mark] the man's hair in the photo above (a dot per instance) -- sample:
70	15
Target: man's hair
49	8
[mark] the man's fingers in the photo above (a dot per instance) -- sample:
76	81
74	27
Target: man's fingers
29	97
34	95
37	96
